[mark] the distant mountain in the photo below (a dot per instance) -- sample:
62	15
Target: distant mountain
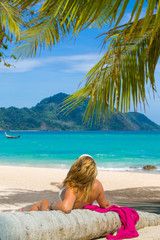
46	115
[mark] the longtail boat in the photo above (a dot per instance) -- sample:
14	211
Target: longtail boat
8	136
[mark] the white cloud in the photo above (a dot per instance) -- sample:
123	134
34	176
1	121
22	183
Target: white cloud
75	63
20	66
72	63
70	58
80	67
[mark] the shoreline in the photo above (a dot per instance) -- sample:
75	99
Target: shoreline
100	169
108	131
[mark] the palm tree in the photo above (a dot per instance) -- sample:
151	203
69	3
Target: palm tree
79	224
127	68
10	26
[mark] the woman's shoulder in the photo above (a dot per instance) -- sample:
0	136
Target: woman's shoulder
97	189
97	185
97	182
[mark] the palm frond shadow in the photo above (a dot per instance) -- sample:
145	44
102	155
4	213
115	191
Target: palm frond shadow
142	199
28	197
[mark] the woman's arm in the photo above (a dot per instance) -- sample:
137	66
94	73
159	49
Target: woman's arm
67	204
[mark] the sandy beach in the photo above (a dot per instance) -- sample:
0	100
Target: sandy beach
20	187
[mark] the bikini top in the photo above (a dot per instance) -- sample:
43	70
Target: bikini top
61	192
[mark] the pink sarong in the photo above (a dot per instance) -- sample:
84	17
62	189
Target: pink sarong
128	216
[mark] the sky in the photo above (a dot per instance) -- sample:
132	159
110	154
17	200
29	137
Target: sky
61	69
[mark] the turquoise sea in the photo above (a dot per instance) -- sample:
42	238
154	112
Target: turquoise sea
113	150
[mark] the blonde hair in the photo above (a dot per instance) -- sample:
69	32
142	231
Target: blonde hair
81	176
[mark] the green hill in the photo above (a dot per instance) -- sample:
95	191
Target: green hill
46	115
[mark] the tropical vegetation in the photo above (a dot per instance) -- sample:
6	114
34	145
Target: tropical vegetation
127	68
46	115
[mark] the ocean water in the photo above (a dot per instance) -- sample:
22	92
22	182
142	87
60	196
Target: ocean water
113	150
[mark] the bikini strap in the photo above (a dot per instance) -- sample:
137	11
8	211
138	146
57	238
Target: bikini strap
63	189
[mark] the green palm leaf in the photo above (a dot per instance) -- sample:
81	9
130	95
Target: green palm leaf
47	33
10	18
121	76
74	16
56	19
25	4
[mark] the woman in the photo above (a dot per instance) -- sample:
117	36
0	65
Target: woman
80	188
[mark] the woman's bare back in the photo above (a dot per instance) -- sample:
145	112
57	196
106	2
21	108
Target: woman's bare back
93	196
97	194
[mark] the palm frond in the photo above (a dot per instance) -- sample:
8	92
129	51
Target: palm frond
72	16
25	4
10	18
85	13
43	34
79	13
118	10
121	76
56	19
